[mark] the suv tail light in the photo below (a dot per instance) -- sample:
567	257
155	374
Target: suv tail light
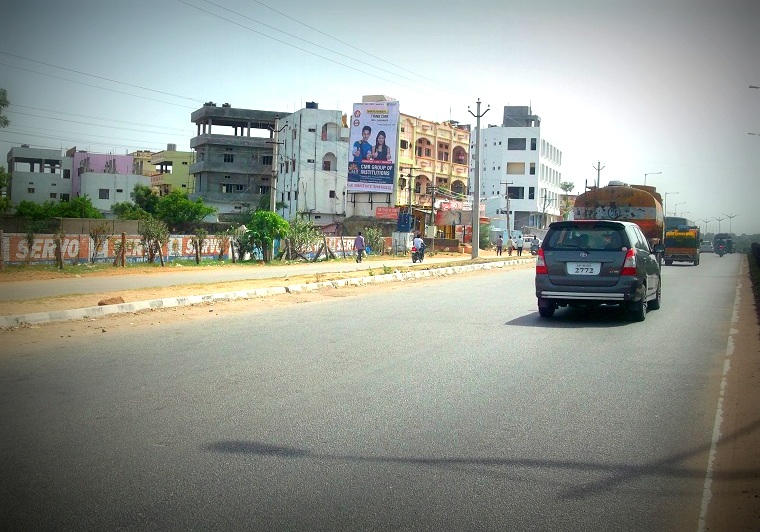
629	265
541	263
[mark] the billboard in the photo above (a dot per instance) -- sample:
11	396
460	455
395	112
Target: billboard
374	145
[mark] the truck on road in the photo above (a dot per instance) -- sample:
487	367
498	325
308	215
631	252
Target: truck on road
682	244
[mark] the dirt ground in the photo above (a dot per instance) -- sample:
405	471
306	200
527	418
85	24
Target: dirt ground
735	486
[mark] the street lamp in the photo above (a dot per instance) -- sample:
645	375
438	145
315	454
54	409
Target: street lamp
675	210
730	219
650	173
719	220
665	202
704	220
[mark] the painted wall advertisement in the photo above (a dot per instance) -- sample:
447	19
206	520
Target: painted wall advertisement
374	145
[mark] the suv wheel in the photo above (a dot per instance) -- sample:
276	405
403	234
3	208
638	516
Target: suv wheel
639	308
546	308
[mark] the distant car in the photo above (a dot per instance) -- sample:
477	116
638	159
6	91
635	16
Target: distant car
706	247
598	262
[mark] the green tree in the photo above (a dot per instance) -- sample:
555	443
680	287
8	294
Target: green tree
79	207
5	178
126	210
484	236
373	238
177	211
153	235
4	122
568	187
144	198
99	234
264	228
302	234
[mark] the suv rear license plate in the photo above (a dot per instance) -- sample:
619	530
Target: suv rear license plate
583	268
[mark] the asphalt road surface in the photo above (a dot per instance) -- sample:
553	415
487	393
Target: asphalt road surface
437	405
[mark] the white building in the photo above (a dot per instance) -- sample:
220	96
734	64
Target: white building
105	189
38	175
519	172
311	165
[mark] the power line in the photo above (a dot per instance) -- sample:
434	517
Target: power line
99	118
364	52
96	86
89	123
100	77
297	47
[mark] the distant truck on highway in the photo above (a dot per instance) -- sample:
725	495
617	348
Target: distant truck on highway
682	244
640	204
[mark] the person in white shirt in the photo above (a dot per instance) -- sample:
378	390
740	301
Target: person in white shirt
419	244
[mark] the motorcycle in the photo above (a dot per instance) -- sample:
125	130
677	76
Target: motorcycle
417	254
721	250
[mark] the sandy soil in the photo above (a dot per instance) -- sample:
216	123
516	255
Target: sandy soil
735	502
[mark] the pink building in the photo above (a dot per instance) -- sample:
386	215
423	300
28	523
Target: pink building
101	163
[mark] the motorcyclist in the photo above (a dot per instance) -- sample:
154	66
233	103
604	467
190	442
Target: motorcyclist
419	244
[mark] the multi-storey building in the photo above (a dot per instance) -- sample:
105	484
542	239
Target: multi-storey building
171	171
433	164
104	177
520	172
311	171
38	175
233	165
141	162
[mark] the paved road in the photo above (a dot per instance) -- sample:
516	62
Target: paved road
442	406
26	290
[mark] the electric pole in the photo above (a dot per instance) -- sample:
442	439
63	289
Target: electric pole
506	197
476	186
410	177
598	169
275	158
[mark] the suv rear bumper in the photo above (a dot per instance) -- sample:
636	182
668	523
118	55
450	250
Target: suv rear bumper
585	296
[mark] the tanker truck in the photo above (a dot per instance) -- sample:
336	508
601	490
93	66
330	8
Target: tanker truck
640	204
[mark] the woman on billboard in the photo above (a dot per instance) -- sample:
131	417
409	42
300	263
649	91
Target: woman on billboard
380	151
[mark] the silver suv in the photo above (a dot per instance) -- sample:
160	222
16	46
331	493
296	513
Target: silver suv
598	262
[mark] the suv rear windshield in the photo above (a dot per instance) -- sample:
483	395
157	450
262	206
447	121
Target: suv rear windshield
587	236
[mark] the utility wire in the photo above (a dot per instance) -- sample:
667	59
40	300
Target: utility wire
13	105
101	77
297	47
96	86
90	124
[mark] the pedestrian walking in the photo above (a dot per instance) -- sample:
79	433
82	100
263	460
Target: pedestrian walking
499	245
510	245
359	246
520	244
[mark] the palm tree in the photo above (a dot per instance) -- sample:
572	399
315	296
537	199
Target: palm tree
568	187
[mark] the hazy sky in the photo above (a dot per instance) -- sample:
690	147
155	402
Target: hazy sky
640	86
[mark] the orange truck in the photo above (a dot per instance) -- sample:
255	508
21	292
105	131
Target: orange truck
629	203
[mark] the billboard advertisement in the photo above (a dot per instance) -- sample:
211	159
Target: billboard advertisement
373	141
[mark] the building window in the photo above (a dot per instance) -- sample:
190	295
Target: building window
104	193
326	166
67	174
239	188
332	194
533	144
229	157
266	160
516	143
428	153
53	195
64	197
227	177
227	188
516	168
404	143
532	168
531	192
516	192
119	190
263	190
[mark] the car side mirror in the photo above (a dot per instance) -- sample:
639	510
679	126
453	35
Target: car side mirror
659	248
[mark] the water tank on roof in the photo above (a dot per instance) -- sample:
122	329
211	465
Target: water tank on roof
312	105
171	147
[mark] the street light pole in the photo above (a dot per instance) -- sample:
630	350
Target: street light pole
675	210
719	220
730	219
665	202
650	173
476	186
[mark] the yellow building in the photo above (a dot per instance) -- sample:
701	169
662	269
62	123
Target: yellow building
172	171
433	166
